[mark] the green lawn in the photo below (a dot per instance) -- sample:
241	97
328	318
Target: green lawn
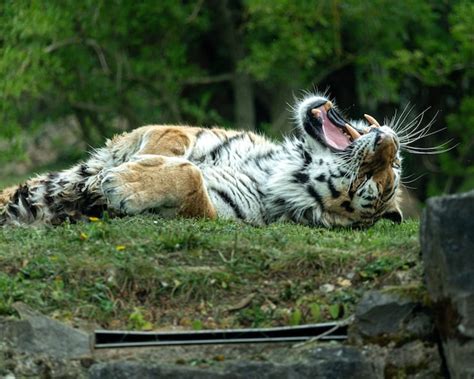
144	272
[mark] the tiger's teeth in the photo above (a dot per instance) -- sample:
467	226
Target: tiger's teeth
328	106
316	112
372	121
354	133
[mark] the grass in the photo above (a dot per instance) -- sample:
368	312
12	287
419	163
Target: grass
147	273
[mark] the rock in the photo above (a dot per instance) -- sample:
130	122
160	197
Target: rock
414	357
382	314
16	364
329	362
394	314
341	362
37	334
326	288
125	370
447	242
420	325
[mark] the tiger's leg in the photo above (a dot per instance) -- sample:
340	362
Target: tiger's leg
166	184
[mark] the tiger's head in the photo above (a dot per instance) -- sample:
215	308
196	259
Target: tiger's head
363	164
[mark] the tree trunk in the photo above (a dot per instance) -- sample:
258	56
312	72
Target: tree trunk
278	100
242	86
244	106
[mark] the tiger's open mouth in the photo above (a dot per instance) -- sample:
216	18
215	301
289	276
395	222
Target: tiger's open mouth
331	128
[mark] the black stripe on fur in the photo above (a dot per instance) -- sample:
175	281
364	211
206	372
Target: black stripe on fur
227	199
219	148
334	192
316	196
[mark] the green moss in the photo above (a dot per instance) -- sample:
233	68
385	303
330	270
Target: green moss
415	292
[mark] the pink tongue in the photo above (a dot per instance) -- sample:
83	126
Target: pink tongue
333	135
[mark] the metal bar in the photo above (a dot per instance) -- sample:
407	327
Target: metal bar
214	342
321	325
103	339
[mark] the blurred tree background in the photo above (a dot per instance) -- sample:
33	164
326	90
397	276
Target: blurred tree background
103	66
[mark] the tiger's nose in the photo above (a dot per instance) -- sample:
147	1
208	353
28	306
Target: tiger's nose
383	138
380	138
385	147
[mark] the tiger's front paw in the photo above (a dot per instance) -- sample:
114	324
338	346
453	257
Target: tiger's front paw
125	191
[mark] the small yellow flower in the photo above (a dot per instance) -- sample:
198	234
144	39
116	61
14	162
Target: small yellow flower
120	247
93	219
83	236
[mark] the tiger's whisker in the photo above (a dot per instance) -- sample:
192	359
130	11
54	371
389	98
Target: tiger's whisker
431	148
429	152
420	133
406	143
414	124
404	182
405	113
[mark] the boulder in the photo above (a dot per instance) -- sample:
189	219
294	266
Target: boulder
328	362
37	334
417	358
447	243
17	364
381	314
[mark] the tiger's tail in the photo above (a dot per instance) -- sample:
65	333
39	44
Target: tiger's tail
52	198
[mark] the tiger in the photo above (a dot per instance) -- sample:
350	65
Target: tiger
332	172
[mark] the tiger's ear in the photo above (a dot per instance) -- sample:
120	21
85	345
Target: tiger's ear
394	214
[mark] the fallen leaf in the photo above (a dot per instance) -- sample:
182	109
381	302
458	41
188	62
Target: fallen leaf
344	282
241	304
326	288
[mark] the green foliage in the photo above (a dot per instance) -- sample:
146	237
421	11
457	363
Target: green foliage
136	320
197	325
132	63
315	310
97	60
281	39
296	317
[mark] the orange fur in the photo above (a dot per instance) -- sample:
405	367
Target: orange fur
6	194
160	181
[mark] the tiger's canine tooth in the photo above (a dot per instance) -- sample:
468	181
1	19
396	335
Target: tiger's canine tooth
354	133
316	112
327	106
372	121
